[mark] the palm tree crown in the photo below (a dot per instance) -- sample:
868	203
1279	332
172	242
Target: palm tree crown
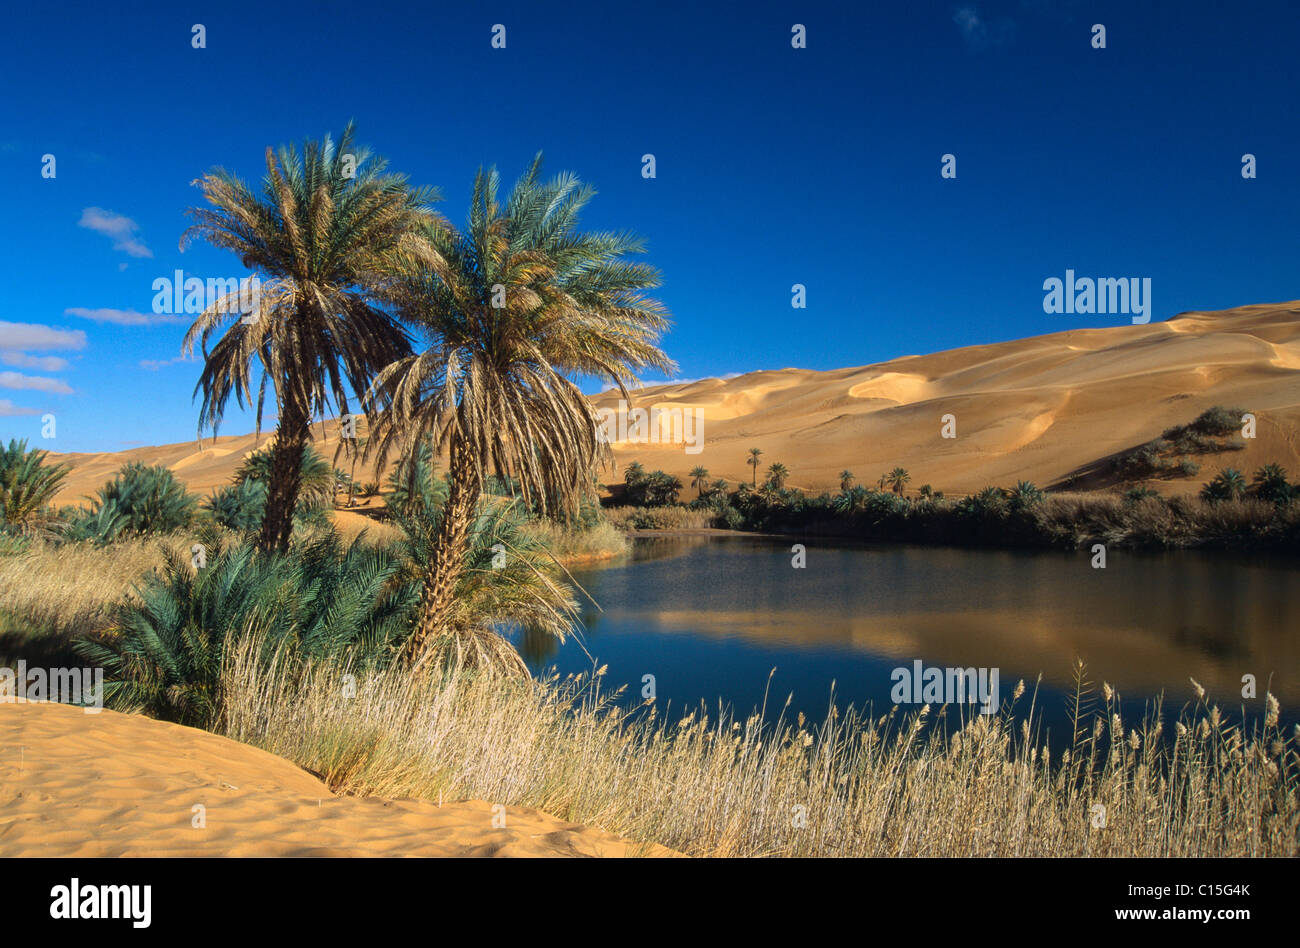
897	479
510	309
323	233
699	478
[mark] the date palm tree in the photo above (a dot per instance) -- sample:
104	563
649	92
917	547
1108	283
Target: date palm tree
325	228
754	455
897	479
846	480
1228	484
699	478
510	309
777	474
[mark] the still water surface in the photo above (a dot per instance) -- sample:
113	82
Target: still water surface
711	617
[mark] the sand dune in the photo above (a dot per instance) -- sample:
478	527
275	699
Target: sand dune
1039	408
108	784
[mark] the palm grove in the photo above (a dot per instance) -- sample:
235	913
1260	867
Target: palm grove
463	340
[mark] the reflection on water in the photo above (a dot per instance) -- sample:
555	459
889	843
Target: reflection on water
710	617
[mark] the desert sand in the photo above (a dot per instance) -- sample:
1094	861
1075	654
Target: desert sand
1042	409
109	784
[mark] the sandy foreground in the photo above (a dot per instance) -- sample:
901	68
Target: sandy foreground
109	784
1042	408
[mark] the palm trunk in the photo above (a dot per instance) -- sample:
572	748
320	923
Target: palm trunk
286	474
450	550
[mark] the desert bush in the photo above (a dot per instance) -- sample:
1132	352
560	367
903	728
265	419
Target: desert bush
1218	421
239	506
27	483
100	525
148	499
163	650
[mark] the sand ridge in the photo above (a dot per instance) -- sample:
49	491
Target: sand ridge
110	784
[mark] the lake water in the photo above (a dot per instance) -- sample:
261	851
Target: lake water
711	617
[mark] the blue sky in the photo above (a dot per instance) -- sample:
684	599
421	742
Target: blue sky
775	165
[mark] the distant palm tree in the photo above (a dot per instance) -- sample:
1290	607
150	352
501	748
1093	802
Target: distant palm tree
328	222
897	479
846	480
719	486
1024	495
777	474
513	307
1271	484
699	476
754	455
356	449
1228	484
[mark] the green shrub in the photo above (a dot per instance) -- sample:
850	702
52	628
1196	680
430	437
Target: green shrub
164	651
239	506
100	525
415	491
148	498
1228	484
27	483
317	476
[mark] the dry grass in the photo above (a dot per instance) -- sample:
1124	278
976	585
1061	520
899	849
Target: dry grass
68	589
722	787
659	518
1163	522
568	545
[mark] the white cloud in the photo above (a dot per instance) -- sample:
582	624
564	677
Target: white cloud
979	33
19	336
34	383
153	365
9	410
122	317
120	229
647	383
22	360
